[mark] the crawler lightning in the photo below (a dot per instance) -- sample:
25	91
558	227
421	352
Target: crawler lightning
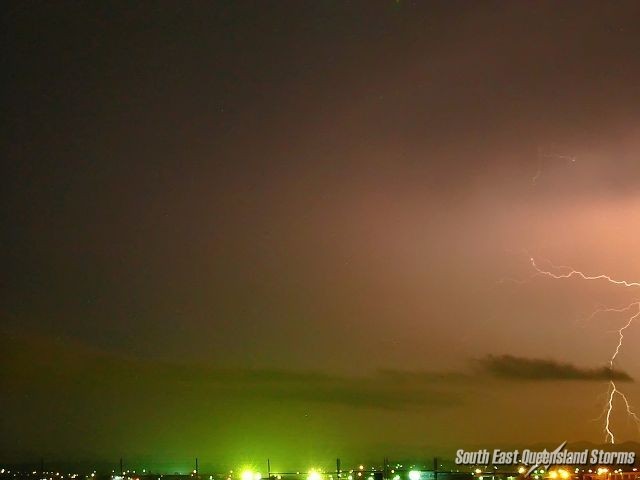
576	273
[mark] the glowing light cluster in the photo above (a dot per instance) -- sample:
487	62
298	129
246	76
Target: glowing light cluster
250	475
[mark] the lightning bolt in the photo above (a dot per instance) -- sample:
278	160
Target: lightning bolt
576	273
555	156
564	272
569	158
609	437
601	309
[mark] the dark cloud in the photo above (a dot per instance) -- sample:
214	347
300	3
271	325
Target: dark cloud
34	364
519	368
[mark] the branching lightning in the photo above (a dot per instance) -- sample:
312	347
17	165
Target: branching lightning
564	272
577	273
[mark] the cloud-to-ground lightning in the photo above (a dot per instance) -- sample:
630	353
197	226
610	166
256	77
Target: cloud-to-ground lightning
565	272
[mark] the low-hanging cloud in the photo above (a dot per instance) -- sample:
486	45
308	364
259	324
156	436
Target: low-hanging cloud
35	365
520	368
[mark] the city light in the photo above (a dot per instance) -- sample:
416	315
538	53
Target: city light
250	475
414	475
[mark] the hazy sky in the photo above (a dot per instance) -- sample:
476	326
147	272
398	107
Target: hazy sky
310	214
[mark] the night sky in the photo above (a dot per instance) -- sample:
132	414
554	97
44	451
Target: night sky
302	230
